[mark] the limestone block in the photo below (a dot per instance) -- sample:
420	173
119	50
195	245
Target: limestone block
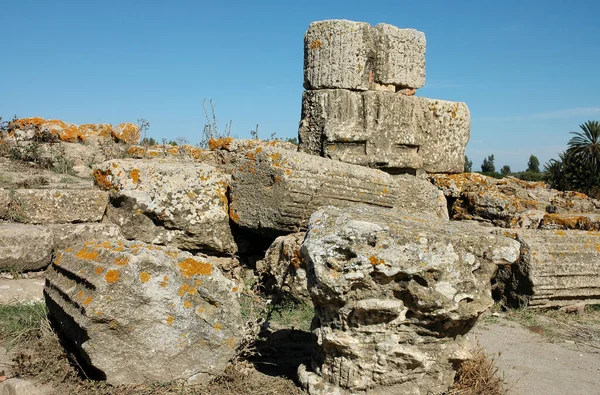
284	267
24	247
556	268
161	201
394	295
144	313
128	133
274	191
65	235
343	54
55	206
16	386
388	131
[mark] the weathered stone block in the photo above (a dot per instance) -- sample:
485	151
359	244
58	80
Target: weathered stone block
24	247
54	206
556	268
66	235
394	295
342	54
388	131
161	201
274	191
144	313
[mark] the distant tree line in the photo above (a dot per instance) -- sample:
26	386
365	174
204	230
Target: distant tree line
576	169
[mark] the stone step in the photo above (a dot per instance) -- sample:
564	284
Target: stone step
21	290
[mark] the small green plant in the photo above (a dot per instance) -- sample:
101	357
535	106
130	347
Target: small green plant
19	322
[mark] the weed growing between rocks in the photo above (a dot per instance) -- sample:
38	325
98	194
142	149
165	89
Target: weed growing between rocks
478	376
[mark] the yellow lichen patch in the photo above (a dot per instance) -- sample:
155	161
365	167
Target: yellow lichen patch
198	282
315	44
87	254
230	342
58	259
87	301
218	326
79	295
164	282
561	233
183	290
376	261
192	291
99	270
170	320
187	304
144	277
128	133
102	179
121	261
222	143
233	215
234	289
112	276
191	195
172	254
199	310
190	267
70	249
135	176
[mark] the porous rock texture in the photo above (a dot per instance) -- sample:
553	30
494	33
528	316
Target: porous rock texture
144	313
384	130
343	54
29	128
24	247
283	267
556	268
513	203
66	235
161	201
393	295
274	191
53	206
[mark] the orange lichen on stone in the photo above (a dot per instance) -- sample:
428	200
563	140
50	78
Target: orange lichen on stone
218	326
87	301
128	133
79	295
222	143
230	342
144	277
164	282
87	254
183	289
187	304
121	261
376	261
99	270
198	282
102	180
135	176
58	259
190	267
316	44
96	129
233	215
112	276
170	320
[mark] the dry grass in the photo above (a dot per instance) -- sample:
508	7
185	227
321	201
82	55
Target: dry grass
478	376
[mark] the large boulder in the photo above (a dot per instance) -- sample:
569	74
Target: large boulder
143	313
343	54
384	130
274	191
556	268
161	201
514	203
25	247
53	206
393	297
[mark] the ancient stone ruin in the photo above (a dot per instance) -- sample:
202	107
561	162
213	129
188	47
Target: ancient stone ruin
145	249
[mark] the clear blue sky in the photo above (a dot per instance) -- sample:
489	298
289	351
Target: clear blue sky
528	70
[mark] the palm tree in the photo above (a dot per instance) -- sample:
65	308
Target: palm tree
586	145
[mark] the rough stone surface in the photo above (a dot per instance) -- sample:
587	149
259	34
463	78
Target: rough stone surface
28	128
65	235
16	386
513	203
393	296
274	191
21	290
284	267
556	268
144	313
169	202
54	206
24	247
353	55
389	131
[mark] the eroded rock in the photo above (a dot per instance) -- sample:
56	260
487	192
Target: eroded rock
25	247
66	235
183	204
394	294
144	313
388	131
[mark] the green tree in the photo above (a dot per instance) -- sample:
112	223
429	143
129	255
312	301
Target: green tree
468	165
533	164
488	165
505	170
586	144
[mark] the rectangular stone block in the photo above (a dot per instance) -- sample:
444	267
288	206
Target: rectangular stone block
556	268
274	191
24	247
385	130
353	55
53	206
